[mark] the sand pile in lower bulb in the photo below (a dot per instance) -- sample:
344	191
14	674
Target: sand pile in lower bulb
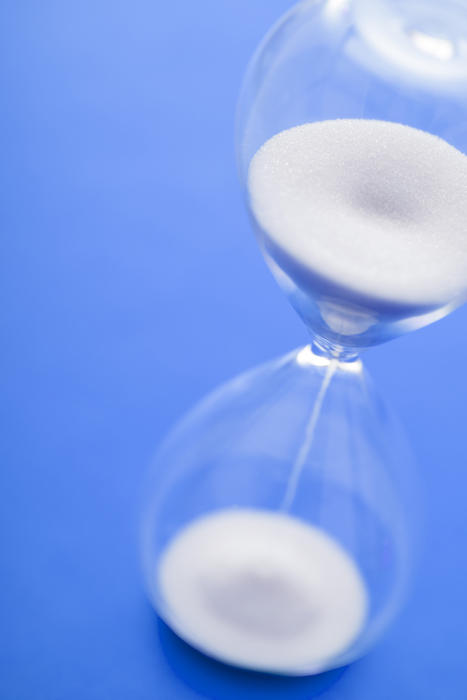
262	590
377	207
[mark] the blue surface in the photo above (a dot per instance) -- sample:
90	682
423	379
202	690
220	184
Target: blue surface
131	285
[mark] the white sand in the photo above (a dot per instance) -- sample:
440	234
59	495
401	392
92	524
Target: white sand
262	590
377	207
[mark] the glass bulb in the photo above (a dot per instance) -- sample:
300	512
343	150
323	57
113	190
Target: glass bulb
362	222
272	539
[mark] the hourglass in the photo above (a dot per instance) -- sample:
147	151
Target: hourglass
275	533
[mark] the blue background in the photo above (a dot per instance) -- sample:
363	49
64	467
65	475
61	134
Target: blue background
132	285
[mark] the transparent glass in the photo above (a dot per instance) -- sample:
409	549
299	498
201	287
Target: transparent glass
237	449
401	61
277	531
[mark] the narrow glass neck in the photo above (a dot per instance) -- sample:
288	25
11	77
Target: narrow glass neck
330	351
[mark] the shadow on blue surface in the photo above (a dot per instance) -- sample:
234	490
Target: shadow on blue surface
218	681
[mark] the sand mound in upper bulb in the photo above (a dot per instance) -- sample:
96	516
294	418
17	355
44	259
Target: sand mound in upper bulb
378	207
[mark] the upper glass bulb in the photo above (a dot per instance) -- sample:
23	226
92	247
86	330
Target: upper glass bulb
352	143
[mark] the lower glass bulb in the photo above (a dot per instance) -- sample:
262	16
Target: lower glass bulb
274	533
